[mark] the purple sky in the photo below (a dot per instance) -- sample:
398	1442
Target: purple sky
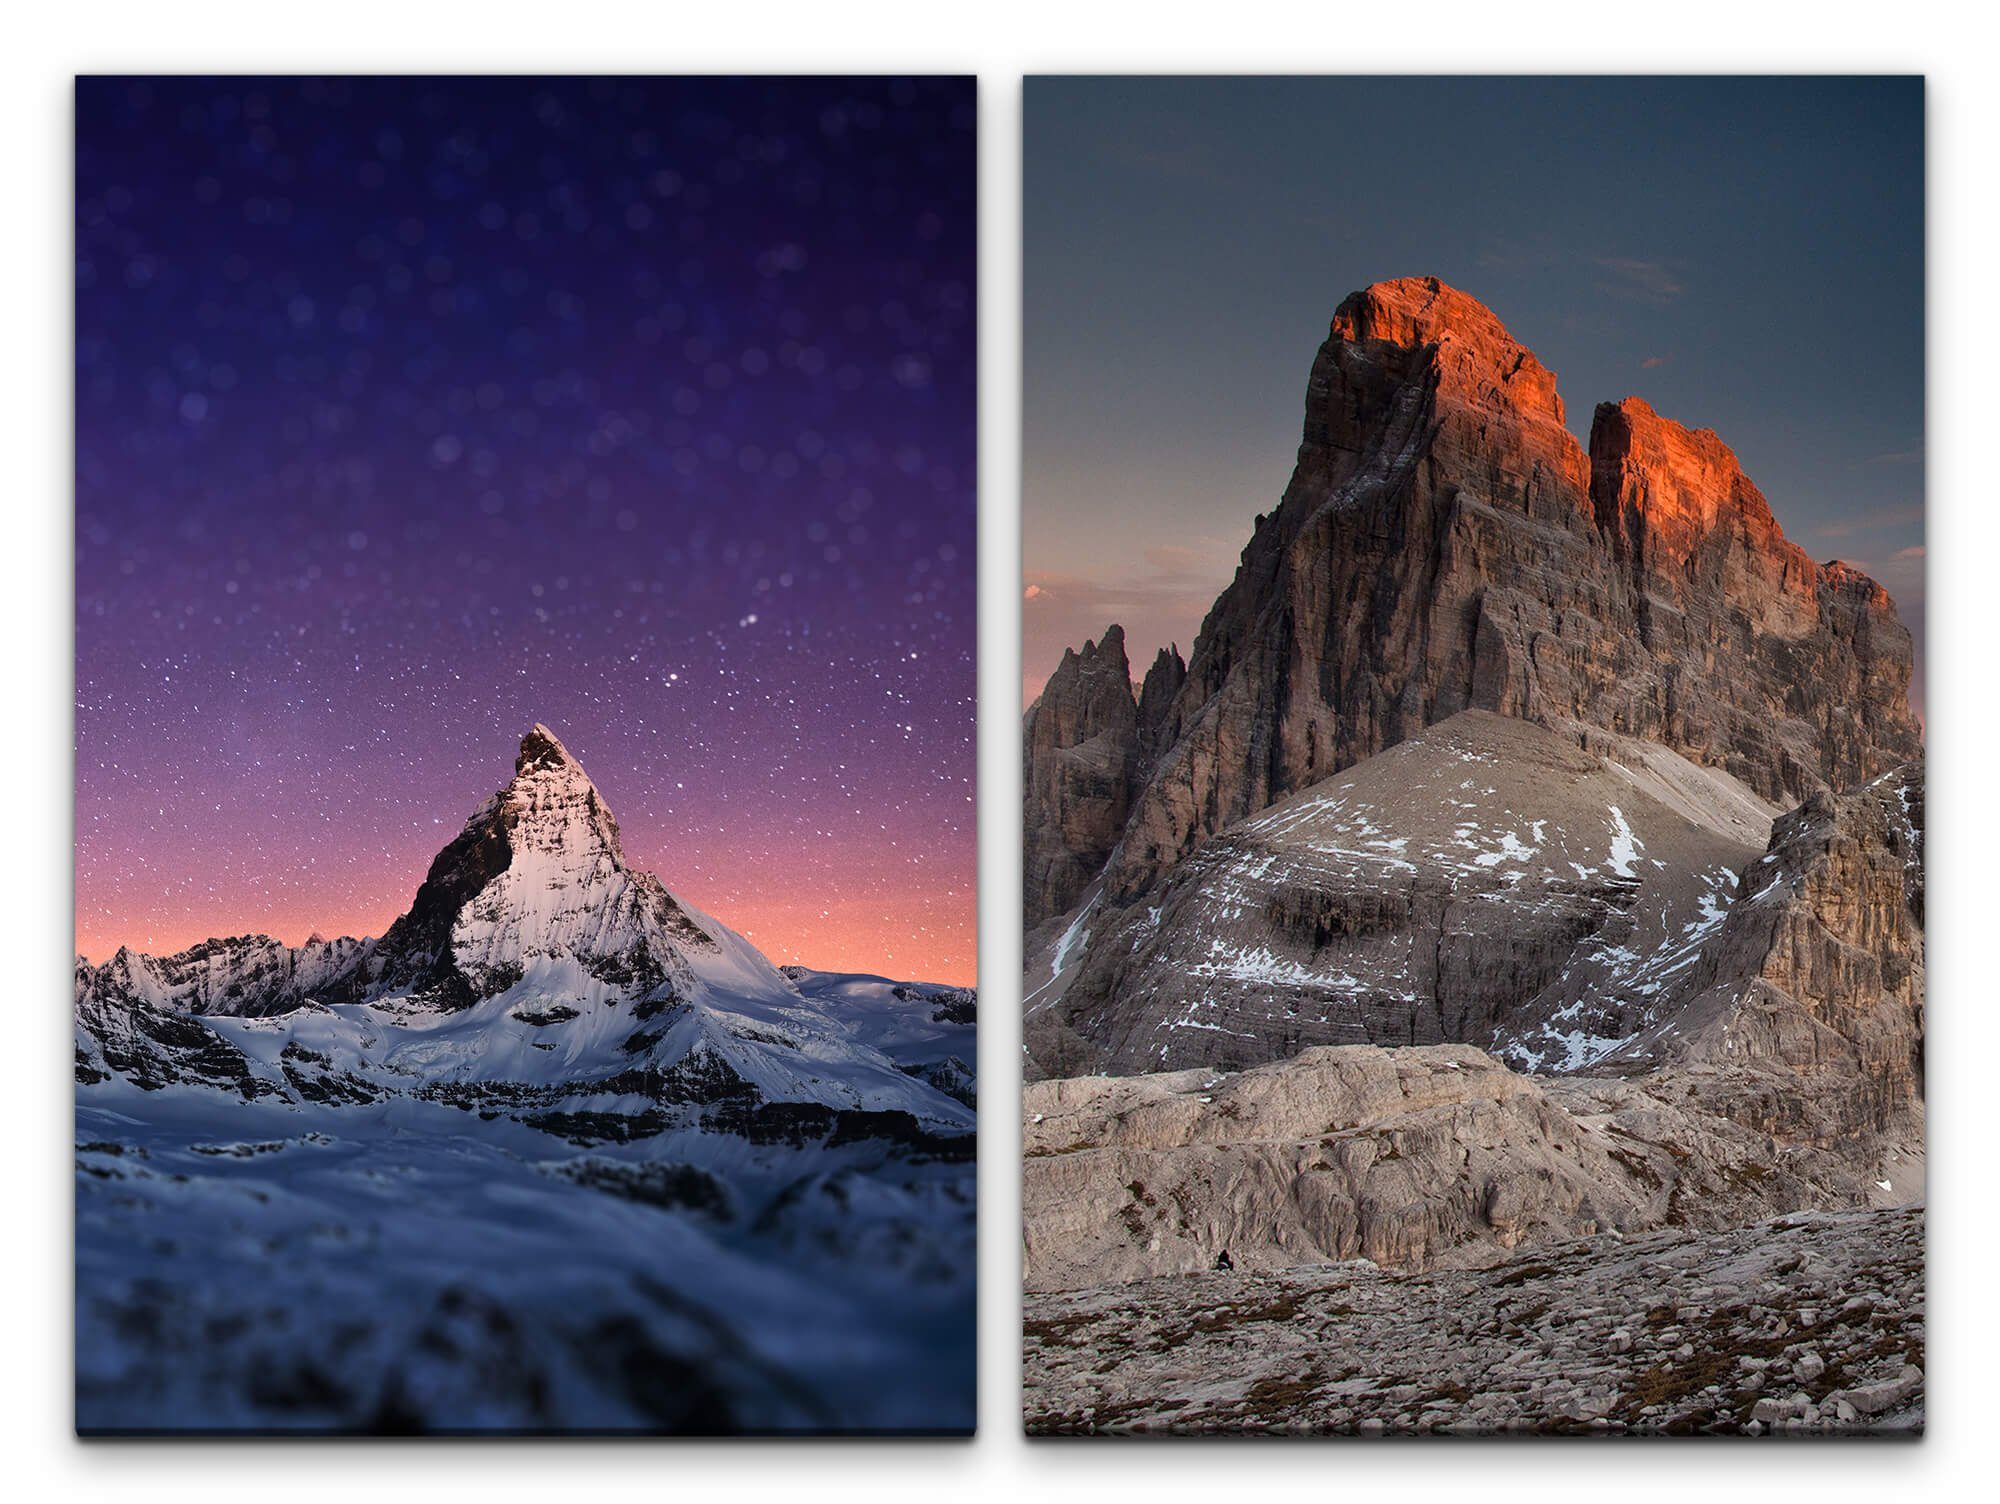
411	412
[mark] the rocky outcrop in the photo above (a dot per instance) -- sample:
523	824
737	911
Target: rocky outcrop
1157	694
1445	544
1781	1068
1416	1159
1792	675
1401	1157
245	976
1087	745
1805	1012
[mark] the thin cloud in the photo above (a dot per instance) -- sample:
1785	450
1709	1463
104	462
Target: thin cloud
1637	277
1537	254
1176	560
1873	520
1654	362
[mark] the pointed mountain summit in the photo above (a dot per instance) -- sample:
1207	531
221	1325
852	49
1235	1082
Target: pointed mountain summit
1090	744
535	887
1081	736
540	748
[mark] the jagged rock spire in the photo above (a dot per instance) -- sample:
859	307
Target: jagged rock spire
1082	752
540	748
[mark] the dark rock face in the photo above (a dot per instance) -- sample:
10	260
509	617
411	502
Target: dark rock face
1445	544
1088	745
1081	745
155	1049
950	1075
1156	698
241	976
417	947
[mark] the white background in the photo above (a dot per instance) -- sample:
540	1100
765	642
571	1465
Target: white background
46	42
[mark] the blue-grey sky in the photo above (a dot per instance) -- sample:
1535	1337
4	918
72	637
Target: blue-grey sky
1745	253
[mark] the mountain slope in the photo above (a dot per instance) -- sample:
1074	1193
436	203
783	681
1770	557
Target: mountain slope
1781	1070
1484	881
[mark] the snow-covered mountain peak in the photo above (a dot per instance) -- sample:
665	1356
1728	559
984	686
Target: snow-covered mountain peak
542	749
549	1073
547	900
534	955
551	807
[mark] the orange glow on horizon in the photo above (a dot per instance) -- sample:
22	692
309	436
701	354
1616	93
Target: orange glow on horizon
908	937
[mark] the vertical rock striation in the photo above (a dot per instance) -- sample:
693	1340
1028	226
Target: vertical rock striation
1805	1014
1081	743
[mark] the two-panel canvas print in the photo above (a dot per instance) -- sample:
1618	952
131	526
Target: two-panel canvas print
1473	831
1474	774
524	896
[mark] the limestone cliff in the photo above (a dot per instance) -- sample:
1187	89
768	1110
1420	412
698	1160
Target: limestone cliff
1446	544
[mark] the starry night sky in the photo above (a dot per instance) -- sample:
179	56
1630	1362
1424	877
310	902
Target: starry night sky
411	412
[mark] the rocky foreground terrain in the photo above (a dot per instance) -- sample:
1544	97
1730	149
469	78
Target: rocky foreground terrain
1810	1323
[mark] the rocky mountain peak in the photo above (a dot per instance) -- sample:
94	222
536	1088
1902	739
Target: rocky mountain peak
1446	544
551	805
1082	750
1839	577
1108	652
1656	483
1156	695
1471	350
538	870
541	751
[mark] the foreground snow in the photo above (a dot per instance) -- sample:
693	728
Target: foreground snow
406	1265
